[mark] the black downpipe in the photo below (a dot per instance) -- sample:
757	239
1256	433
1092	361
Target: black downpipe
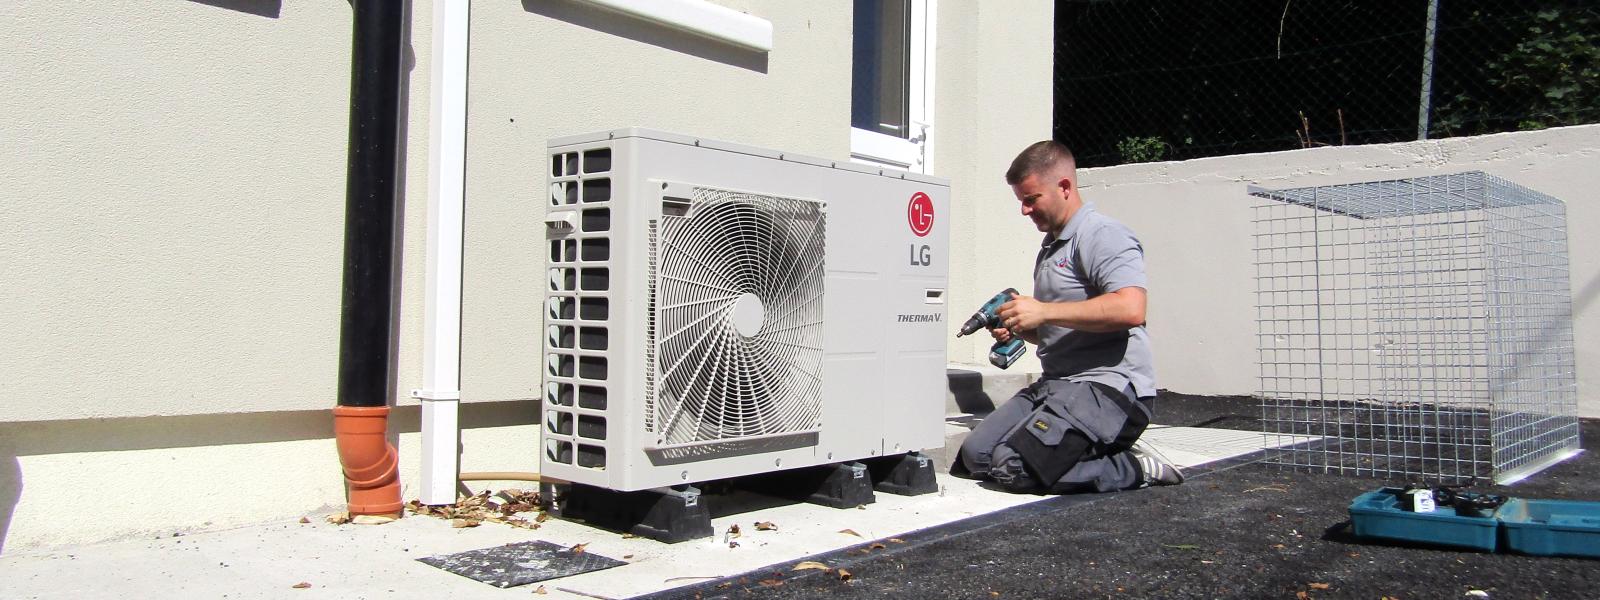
369	220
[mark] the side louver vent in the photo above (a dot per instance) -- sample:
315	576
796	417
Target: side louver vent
578	310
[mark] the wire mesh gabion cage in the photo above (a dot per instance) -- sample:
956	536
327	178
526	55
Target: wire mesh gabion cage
1415	329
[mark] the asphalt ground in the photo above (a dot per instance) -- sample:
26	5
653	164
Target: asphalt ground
1235	529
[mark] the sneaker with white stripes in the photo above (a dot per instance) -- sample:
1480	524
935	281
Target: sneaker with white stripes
1154	467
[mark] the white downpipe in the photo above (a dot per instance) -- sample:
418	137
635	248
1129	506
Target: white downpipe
441	336
702	18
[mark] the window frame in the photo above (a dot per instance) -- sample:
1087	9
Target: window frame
914	153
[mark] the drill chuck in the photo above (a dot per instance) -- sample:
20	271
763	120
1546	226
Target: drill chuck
978	321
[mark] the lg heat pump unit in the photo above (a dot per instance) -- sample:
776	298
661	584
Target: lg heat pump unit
717	310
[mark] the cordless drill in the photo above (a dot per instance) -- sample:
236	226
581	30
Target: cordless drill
1001	354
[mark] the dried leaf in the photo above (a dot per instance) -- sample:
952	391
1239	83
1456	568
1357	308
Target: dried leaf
810	564
733	531
844	575
463	523
627	556
850	532
897	540
578	549
733	544
339	518
545	516
1302	595
765	526
1319	586
304	520
300	586
1279	546
540	590
628	536
997	594
877	546
771	582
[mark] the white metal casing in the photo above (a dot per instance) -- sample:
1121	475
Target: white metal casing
882	367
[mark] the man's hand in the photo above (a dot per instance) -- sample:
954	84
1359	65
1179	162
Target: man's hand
1001	334
1022	314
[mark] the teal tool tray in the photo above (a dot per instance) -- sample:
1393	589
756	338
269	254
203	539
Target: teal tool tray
1551	527
1379	514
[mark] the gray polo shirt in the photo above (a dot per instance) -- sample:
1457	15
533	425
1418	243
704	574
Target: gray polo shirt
1093	255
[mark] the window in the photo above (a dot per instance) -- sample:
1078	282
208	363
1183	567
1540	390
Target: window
891	91
882	67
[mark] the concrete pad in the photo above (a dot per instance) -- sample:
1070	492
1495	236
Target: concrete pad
1190	446
379	561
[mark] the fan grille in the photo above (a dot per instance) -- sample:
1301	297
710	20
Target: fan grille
735	255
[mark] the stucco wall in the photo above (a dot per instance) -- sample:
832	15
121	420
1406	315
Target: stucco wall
1195	222
548	69
179	183
994	98
173	229
173	214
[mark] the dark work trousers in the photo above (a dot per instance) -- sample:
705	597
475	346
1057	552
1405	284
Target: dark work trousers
1060	437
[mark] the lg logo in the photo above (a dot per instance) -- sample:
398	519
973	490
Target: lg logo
919	214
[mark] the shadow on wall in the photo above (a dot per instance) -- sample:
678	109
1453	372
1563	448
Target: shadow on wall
967	387
10	492
35	438
260	8
1586	296
621	25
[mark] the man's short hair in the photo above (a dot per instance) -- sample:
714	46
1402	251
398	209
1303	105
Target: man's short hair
1038	157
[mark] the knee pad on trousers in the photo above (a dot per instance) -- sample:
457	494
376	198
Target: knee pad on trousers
1045	461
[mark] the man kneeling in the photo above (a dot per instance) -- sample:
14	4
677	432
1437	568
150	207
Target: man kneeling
1077	428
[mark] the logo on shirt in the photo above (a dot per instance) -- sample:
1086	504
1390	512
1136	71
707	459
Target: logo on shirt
1062	264
919	214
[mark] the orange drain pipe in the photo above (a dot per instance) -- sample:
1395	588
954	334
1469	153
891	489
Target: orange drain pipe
371	468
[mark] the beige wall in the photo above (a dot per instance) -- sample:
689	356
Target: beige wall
179	186
172	221
1194	220
548	69
994	98
173	230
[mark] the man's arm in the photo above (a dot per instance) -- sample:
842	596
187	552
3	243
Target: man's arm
1120	310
